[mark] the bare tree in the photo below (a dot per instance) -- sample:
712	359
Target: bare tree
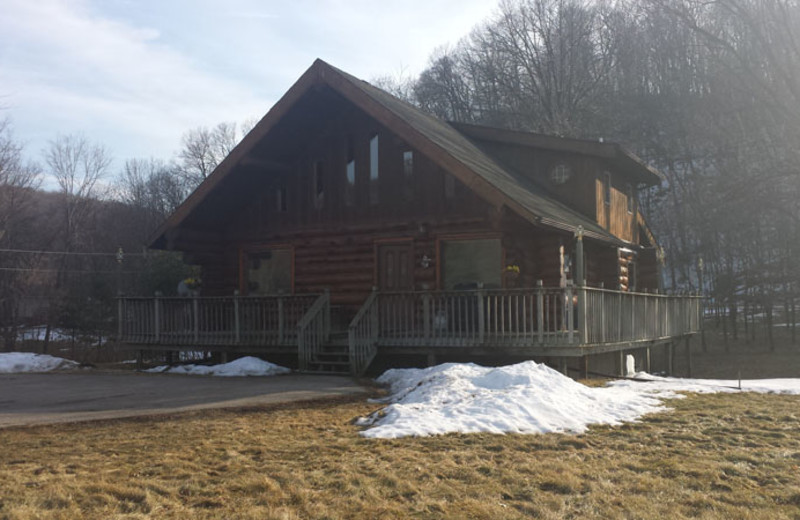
18	180
153	187
204	148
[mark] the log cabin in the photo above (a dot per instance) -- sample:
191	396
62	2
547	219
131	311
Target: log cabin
349	225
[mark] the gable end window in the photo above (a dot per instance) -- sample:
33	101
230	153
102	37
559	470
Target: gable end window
374	174
350	175
631	198
408	174
281	204
319	184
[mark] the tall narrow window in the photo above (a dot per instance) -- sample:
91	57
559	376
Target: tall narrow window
319	184
607	188
631	198
408	163
281	204
350	175
449	186
408	174
373	170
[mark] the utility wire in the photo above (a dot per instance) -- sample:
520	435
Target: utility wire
86	271
75	253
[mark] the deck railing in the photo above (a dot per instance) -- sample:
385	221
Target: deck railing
619	317
269	320
362	335
314	330
536	316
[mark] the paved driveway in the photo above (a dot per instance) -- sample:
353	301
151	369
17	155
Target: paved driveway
27	399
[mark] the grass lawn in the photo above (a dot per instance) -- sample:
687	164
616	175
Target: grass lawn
713	456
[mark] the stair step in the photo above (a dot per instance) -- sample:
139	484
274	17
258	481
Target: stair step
332	363
324	358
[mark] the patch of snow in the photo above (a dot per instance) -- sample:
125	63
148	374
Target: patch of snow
37	333
664	387
16	362
526	398
246	366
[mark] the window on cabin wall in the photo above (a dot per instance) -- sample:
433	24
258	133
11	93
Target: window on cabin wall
467	263
408	174
319	184
449	186
631	198
269	271
350	175
374	174
281	204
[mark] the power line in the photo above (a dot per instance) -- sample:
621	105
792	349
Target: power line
31	270
25	251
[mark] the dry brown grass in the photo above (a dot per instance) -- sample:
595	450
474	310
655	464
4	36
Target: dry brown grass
714	456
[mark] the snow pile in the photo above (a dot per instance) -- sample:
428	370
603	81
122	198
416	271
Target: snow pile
522	398
38	333
527	398
665	387
246	366
15	362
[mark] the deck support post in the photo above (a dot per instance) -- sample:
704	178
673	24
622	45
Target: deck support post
563	366
223	356
431	359
688	356
584	372
620	363
139	359
540	310
668	351
647	359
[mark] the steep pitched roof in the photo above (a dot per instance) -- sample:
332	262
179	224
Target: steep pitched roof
438	140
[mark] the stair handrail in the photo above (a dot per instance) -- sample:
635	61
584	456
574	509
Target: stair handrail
314	330
362	335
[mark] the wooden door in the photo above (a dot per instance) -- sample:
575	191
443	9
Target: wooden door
395	267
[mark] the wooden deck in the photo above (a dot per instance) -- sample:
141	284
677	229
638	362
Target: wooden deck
537	321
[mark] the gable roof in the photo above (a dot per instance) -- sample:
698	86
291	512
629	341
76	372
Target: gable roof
441	142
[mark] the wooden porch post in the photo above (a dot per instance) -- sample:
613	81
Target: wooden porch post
281	330
426	314
236	324
195	319
568	313
374	315
481	315
580	277
584	367
540	310
157	316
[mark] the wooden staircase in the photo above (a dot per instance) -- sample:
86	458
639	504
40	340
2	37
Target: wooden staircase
336	340
333	357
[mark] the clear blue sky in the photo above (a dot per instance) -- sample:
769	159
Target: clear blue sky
135	75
